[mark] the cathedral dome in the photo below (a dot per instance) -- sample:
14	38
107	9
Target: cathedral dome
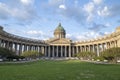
60	31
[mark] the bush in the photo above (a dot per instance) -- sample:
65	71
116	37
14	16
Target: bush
112	54
10	58
99	58
86	55
31	54
8	54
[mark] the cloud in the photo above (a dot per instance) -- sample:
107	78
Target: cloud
104	12
62	6
89	7
38	34
97	27
34	32
22	13
73	13
118	21
4	11
55	2
97	1
115	11
109	12
27	2
86	35
76	2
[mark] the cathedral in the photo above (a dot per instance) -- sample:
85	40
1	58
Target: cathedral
59	46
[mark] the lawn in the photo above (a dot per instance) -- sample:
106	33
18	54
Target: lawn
59	70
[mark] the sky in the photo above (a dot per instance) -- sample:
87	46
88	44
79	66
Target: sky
82	19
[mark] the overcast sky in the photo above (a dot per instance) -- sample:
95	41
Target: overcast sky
82	19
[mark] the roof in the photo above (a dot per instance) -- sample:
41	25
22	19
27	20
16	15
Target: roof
59	28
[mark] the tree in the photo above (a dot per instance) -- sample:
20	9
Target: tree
4	53
31	54
86	55
112	54
8	54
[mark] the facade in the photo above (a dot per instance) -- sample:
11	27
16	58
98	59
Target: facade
59	46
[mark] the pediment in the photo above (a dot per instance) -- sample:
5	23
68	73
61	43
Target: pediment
59	41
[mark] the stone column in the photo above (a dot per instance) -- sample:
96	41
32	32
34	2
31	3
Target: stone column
37	48
115	43
89	48
98	50
40	49
20	49
65	51
102	47
33	47
61	51
70	51
49	51
73	50
0	43
24	47
77	49
53	51
57	51
80	48
7	44
108	45
4	43
83	48
93	48
86	48
112	44
45	51
16	49
10	46
28	47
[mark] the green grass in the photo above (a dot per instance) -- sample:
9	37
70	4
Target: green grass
59	70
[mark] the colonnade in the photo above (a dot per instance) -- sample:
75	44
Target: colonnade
58	50
71	50
18	48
